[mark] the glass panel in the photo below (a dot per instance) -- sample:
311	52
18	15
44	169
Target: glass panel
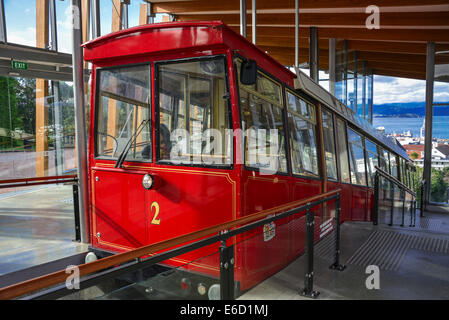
20	17
123	111
372	160
360	90
343	152
340	71
194	113
262	121
329	145
357	158
394	166
302	135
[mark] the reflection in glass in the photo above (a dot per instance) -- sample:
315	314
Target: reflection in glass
329	145
123	107
193	99
301	126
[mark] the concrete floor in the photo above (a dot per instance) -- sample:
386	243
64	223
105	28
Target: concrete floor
413	264
36	226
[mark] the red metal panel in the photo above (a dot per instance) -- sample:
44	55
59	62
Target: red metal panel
258	255
358	207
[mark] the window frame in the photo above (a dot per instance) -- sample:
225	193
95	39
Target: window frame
362	138
236	58
156	65
97	73
300	95
334	131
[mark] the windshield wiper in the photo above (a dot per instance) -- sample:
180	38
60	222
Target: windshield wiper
122	156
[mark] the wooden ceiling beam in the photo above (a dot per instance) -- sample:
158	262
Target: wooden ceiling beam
412	35
161	6
388	20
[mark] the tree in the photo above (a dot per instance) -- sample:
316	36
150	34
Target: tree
414	155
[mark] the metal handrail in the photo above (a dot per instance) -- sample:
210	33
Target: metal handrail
394	180
256	219
403	188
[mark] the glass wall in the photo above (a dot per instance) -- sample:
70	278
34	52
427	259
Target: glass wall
20	136
439	187
353	81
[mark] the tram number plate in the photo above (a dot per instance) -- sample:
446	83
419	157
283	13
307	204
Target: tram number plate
269	231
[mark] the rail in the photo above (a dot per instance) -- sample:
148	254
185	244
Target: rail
403	189
28	182
94	272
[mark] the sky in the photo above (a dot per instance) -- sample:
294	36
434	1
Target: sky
21	28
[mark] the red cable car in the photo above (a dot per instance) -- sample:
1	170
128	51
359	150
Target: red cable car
166	157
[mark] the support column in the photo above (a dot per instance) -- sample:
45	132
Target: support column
430	75
42	19
95	17
145	14
297	33
254	20
80	119
3	37
243	24
332	64
313	54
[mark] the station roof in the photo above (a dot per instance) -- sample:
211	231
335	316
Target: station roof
398	48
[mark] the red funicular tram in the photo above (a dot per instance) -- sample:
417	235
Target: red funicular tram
153	82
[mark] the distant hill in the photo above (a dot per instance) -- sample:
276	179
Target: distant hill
408	110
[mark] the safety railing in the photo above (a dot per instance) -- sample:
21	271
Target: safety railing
403	190
35	181
113	266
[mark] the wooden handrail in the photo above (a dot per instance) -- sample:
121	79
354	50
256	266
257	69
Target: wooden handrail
19	289
11	183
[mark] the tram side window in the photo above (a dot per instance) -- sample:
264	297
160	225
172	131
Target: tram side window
123	112
301	126
372	160
329	144
262	115
343	152
357	158
193	113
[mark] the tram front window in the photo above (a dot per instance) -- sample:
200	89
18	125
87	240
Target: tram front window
193	113
123	113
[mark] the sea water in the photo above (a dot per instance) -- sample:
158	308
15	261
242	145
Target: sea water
440	126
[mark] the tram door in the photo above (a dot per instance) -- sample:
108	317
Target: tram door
122	133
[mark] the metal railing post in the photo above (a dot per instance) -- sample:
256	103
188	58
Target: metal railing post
308	279
76	211
392	203
403	207
376	199
336	265
226	271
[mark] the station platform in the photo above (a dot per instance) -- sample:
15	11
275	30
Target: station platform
36	227
413	263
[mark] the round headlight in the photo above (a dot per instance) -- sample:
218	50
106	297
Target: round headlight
147	181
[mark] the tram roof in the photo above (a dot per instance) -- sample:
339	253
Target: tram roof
175	36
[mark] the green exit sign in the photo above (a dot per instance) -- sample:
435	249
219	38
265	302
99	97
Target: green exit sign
19	65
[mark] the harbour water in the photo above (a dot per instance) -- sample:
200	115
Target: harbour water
399	125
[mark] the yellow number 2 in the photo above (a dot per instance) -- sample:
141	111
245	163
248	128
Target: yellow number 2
155	219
